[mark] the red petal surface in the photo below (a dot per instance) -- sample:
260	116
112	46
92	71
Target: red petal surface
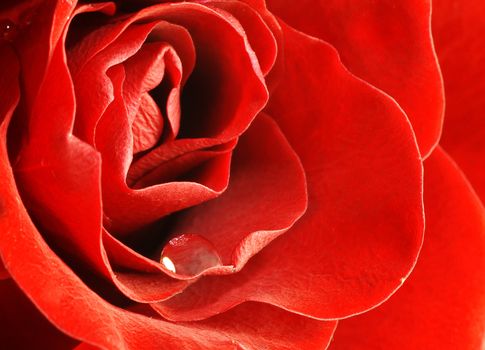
47	20
72	306
458	28
21	323
259	35
388	44
363	228
232	102
147	127
78	311
260	326
23	326
93	102
9	91
442	304
60	179
127	209
238	224
262	201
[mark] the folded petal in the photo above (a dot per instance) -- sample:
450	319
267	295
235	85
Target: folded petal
262	201
363	228
386	43
22	325
59	177
458	28
67	302
221	98
442	304
79	312
9	90
260	326
259	34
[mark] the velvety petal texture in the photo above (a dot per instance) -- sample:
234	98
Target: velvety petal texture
363	228
458	31
442	304
259	184
59	172
386	43
241	174
60	294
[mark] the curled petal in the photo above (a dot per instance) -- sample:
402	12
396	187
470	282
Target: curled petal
442	304
260	326
262	201
59	176
259	34
363	228
78	311
386	43
233	93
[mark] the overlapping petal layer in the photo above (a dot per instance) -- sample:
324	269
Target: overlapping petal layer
363	228
388	44
60	175
263	200
233	93
350	252
79	312
52	155
442	304
458	28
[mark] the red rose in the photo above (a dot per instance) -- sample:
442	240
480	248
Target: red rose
235	174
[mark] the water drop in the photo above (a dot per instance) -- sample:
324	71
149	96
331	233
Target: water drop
189	255
169	265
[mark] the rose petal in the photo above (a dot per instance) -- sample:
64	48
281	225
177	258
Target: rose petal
257	326
442	304
234	90
127	209
9	91
363	228
55	289
187	167
55	170
259	35
260	326
92	103
60	179
458	30
259	204
147	127
82	314
272	77
231	65
226	89
140	288
388	44
47	26
23	326
69	303
262	201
